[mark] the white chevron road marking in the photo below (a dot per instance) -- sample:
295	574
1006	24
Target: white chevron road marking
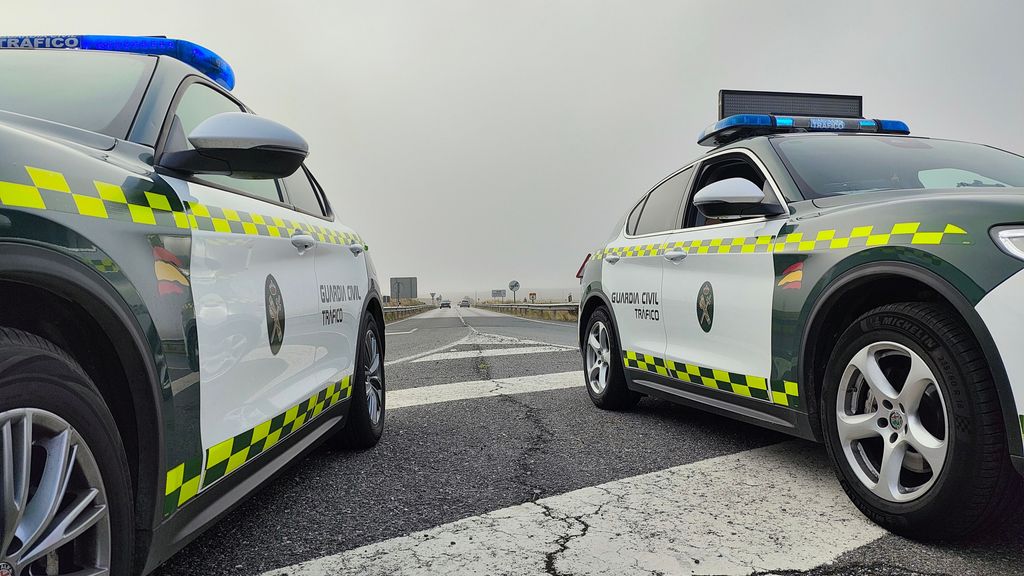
773	508
482	389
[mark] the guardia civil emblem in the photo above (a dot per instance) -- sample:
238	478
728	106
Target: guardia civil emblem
275	313
706	306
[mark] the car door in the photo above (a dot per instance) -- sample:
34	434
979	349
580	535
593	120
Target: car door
632	270
342	282
253	283
718	286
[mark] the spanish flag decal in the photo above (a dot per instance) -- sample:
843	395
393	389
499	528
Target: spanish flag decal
792	277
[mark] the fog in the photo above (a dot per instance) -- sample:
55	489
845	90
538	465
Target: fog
472	142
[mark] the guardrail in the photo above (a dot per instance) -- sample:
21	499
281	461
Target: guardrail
395	313
565	312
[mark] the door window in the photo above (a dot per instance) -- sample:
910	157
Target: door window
661	211
198	103
302	194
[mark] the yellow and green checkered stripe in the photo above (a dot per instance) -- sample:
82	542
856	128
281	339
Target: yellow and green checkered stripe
902	233
184	480
49	190
781	392
224	458
182	484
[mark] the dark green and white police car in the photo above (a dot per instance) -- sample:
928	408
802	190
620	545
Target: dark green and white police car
183	314
830	276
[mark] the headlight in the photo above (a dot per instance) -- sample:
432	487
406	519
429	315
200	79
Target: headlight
1011	240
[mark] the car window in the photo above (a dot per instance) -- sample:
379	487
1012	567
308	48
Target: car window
825	165
722	168
99	92
956	178
198	103
302	194
661	211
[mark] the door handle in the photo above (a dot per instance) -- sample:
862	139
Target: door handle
675	255
303	242
356	249
611	258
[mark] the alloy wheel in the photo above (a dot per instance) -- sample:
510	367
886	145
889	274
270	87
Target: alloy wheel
54	518
598	358
374	377
892	421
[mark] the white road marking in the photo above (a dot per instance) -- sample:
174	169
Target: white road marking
400	333
428	352
492	352
773	508
438	393
478	338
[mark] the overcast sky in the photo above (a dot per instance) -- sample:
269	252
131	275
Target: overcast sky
471	141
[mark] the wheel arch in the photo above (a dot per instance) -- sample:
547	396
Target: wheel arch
831	312
593	301
72	305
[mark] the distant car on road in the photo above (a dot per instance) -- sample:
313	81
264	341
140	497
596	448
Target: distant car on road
841	281
170	272
464	303
446	304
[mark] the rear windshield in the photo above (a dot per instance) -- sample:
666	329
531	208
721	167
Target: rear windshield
829	165
94	91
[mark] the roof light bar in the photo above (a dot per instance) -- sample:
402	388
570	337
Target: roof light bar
740	126
202	59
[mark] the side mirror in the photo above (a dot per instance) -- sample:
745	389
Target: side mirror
734	198
240	145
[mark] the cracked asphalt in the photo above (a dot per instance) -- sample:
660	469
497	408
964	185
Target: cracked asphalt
542	482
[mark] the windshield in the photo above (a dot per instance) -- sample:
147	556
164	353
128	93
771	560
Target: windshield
94	91
829	165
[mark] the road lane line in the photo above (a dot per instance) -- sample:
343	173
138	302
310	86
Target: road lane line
772	508
492	352
400	333
438	393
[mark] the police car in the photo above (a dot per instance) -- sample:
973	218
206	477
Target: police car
830	276
184	315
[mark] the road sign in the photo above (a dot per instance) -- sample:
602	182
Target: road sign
533	297
513	285
403	288
498	293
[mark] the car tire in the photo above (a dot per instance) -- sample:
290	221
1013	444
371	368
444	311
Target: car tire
48	405
603	372
365	423
911	379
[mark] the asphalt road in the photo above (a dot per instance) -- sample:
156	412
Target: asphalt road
494	461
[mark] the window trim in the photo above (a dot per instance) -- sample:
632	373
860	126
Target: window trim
187	82
686	201
317	193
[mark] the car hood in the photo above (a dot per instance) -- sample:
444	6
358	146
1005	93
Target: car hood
16	127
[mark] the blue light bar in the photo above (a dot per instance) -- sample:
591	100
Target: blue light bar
740	126
202	59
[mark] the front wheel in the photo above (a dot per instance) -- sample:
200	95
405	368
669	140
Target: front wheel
65	495
913	424
602	365
365	423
